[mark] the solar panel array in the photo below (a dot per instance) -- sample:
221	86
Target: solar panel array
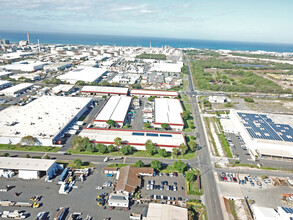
288	210
259	126
151	134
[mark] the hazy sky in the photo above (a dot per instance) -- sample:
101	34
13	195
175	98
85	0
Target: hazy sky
237	20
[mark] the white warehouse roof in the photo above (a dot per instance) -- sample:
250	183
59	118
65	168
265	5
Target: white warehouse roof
163	211
17	88
105	89
168	111
62	88
86	74
153	92
42	118
116	109
167	67
134	137
14	163
4	83
25	65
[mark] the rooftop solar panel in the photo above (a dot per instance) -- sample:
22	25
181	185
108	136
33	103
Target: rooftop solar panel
137	134
152	134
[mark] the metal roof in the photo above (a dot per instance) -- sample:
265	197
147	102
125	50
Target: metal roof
14	163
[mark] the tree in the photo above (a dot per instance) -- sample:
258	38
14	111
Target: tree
175	151
127	125
126	150
118	142
111	122
28	140
150	147
111	148
185	115
190	176
192	145
77	142
91	148
27	156
146	125
180	166
80	82
248	99
47	157
102	148
157	165
5	154
162	152
77	163
139	163
104	83
183	149
165	126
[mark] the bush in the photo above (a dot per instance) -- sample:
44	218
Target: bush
102	148
126	150
111	148
180	166
248	99
27	156
150	147
157	165
139	163
162	152
5	155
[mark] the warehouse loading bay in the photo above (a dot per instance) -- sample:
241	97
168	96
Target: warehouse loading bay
79	200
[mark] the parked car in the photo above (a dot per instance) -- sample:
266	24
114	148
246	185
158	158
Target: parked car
109	175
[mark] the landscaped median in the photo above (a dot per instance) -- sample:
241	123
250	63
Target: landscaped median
196	209
19	147
193	183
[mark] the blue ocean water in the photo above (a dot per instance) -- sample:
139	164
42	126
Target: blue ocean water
86	39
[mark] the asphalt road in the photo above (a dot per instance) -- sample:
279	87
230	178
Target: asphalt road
203	161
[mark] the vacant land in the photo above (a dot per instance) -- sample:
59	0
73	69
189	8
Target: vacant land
152	56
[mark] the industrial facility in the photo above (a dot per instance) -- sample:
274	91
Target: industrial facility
17	89
103	90
115	109
135	138
46	119
265	135
157	93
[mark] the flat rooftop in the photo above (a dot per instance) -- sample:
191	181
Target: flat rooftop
153	92
42	118
62	88
86	74
15	163
168	111
4	82
17	88
163	211
116	109
105	89
167	67
133	137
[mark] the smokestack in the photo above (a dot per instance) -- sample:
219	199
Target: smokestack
28	38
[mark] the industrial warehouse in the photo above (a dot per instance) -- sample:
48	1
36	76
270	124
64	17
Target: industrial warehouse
265	135
168	111
115	109
157	93
135	138
28	168
39	120
15	90
85	74
104	90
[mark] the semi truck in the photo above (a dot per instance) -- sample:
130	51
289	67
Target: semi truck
19	204
60	214
14	214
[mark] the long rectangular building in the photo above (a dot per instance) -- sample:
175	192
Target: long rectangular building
14	90
148	93
168	111
46	119
115	109
104	90
135	138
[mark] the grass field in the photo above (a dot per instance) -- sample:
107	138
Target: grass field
28	148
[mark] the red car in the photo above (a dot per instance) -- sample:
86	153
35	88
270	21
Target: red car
175	174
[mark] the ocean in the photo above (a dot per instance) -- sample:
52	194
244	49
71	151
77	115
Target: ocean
86	39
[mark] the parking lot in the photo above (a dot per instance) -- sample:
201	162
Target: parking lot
238	147
164	193
81	199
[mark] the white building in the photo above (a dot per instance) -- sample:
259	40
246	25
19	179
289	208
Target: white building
104	90
14	90
163	211
57	66
115	109
148	93
62	88
120	200
32	76
86	74
168	111
25	65
4	84
218	99
46	119
167	67
135	138
28	168
265	135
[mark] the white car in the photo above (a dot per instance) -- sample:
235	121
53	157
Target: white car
148	187
99	187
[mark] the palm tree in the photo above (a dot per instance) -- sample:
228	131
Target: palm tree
118	142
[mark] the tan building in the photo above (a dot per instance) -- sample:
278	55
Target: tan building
163	211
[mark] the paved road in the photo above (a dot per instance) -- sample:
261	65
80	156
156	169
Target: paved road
203	161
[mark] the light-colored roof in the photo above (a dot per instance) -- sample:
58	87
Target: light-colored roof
116	109
163	211
167	67
42	118
4	82
107	136
153	92
15	163
17	88
265	213
62	88
105	89
168	111
86	74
